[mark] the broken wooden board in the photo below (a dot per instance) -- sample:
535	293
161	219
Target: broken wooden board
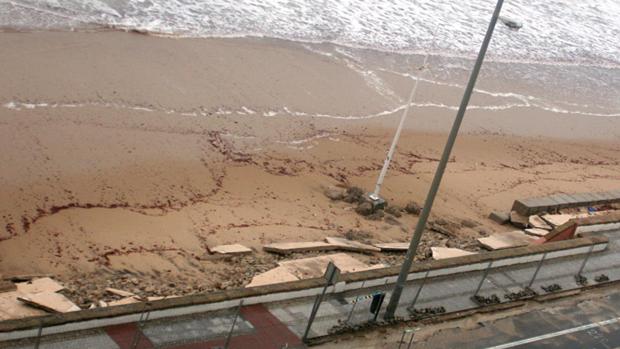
536	232
290	247
351	245
45	284
119	292
49	301
536	222
234	249
447	252
509	239
393	246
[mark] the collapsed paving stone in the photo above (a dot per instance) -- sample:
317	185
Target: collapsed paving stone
509	239
518	220
49	301
350	245
447	252
536	222
500	217
233	249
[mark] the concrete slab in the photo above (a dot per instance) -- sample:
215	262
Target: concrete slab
126	300
393	246
518	219
509	239
234	249
45	284
11	308
557	219
290	247
273	276
500	217
536	232
536	222
49	301
351	245
447	252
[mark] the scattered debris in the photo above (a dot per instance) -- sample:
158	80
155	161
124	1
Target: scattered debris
235	249
49	301
436	227
551	288
500	217
581	280
119	292
413	208
353	195
334	193
524	293
509	239
601	278
394	211
364	209
486	300
344	327
417	314
447	252
126	300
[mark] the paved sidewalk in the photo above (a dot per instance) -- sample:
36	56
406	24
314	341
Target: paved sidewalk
281	325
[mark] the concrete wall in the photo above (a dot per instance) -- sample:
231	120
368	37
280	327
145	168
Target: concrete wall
94	318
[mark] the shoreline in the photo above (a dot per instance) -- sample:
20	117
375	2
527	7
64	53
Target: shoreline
159	149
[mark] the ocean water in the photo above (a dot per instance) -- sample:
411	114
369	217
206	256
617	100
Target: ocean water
554	31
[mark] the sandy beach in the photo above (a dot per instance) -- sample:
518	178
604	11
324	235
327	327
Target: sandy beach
126	156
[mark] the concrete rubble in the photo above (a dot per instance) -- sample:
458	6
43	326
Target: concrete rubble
557	219
234	249
518	220
119	292
509	239
536	222
447	252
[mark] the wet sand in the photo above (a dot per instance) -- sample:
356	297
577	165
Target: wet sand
125	156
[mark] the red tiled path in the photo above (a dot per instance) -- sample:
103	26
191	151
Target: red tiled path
269	333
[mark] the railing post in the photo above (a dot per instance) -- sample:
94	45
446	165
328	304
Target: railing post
355	304
585	260
537	269
39	332
232	328
484	276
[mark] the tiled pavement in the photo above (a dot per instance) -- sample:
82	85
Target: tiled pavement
280	325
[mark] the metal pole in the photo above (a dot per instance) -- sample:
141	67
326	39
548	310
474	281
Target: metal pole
232	328
355	304
441	167
484	276
144	317
39	332
390	154
315	309
583	265
537	269
417	294
402	338
411	340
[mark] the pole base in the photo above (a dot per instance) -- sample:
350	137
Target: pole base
376	201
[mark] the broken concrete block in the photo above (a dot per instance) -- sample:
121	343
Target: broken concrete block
518	220
235	249
290	247
557	219
49	301
447	252
536	232
536	222
11	308
350	245
509	239
45	284
273	276
393	246
119	292
500	217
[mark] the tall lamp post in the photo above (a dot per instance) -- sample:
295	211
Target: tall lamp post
432	192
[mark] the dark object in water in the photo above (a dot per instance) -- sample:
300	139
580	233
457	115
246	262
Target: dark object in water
510	23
